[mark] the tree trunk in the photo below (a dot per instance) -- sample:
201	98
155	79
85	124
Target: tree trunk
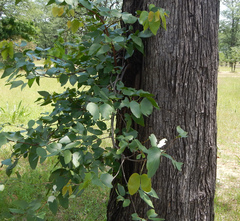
180	69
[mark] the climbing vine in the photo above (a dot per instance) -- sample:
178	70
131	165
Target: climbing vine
91	70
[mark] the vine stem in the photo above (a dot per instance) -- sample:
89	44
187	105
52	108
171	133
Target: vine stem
124	176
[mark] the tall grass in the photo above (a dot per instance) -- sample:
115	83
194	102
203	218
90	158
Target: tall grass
92	204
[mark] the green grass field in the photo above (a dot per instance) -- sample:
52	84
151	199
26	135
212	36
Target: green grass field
18	107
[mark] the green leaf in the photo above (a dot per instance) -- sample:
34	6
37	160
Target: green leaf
54	148
53	206
135	217
137	40
103	50
146	183
152	193
3	139
33	159
15	84
153	160
41	152
122	144
151	6
65	140
106	110
17	1
121	189
126	202
154	103
139	121
86	4
101	125
94	48
178	165
154	26
73	79
162	14
63	79
118	39
75	24
64	202
145	34
146	107
94	110
181	132
67	156
143	17
153	140
7	162
133	183
31	123
128	18
7	72
107	179
145	197
135	109
4	54
72	2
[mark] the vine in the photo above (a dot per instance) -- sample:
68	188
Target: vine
84	114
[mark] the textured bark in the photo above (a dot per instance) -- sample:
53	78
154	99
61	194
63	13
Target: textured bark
180	69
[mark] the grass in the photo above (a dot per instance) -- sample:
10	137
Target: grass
227	199
18	106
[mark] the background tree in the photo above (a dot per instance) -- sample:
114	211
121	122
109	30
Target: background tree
229	30
180	68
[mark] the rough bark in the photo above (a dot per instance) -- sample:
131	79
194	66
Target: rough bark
180	69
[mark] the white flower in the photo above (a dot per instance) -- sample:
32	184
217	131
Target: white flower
162	142
2	187
51	199
54	188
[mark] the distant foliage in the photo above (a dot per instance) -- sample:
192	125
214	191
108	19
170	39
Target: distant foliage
11	28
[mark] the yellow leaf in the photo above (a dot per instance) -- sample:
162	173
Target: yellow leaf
133	183
11	50
81	24
60	11
150	16
146	184
55	11
72	12
68	188
69	24
157	15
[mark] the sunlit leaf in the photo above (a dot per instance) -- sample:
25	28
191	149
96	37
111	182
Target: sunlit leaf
146	198
107	179
67	156
3	139
146	183
153	160
181	132
128	18
94	48
55	10
94	110
133	183
150	16
75	24
126	202
135	109
146	107
60	11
